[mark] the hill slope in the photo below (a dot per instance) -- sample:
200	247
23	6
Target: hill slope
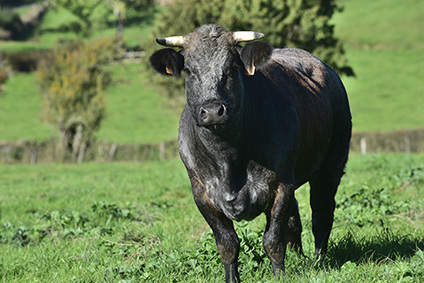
385	48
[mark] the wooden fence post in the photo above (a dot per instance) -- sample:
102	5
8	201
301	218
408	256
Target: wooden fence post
113	151
407	144
363	145
33	151
162	151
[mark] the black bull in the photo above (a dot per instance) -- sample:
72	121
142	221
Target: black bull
259	122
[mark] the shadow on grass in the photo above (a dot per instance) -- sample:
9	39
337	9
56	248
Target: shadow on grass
385	245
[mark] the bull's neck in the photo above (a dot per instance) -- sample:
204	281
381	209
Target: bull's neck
228	158
226	146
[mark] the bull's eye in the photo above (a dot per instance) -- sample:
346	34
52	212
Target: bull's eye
187	71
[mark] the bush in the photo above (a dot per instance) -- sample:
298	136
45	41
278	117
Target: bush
4	72
72	83
26	61
11	22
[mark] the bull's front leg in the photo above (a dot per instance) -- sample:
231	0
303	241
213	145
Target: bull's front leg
227	241
275	237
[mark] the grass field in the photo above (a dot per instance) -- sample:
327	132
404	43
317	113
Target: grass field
132	222
20	107
135	114
137	222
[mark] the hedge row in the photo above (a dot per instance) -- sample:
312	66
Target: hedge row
29	152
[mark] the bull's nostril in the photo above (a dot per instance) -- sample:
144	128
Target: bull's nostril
213	113
222	110
203	113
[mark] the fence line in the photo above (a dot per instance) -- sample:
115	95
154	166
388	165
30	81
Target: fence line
407	141
30	152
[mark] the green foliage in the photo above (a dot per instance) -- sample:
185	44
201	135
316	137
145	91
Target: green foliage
83	10
302	24
97	14
367	205
295	23
72	85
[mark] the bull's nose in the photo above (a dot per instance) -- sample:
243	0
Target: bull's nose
212	114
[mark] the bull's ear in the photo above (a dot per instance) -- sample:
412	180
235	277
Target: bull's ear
167	62
254	55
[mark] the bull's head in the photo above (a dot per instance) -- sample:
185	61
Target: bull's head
215	66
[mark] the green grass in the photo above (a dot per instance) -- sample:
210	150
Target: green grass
135	113
137	222
381	24
386	93
20	107
385	49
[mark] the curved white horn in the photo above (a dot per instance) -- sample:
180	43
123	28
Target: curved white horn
241	36
176	41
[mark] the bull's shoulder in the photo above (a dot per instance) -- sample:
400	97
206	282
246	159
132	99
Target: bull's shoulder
299	61
294	55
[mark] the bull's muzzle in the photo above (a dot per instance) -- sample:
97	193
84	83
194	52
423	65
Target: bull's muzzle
212	114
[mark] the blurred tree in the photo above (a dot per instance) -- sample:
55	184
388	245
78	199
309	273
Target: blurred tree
303	24
84	10
10	23
95	14
119	8
72	84
5	72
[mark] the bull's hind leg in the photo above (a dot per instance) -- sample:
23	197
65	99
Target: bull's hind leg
323	190
323	205
276	231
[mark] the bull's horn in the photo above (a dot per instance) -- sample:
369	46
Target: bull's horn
176	41
241	36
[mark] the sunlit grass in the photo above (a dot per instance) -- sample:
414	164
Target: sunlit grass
138	222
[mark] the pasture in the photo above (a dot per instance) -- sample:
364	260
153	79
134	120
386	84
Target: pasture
137	222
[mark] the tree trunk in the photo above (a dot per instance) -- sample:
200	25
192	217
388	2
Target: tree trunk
62	144
120	26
